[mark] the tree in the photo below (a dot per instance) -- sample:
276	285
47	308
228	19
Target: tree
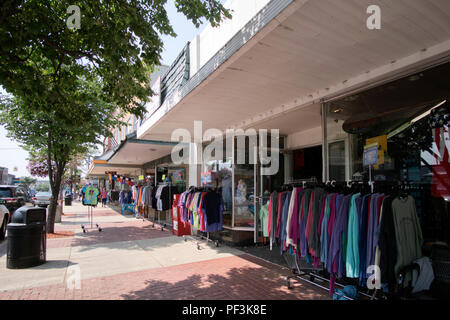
120	40
28	181
55	138
65	83
44	187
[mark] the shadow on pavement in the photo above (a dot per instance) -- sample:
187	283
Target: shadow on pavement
244	283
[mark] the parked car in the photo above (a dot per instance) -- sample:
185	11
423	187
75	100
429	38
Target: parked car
42	199
12	197
4	220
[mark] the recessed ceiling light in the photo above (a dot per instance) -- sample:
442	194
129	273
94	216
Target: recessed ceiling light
337	110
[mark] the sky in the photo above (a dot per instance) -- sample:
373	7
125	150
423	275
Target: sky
13	157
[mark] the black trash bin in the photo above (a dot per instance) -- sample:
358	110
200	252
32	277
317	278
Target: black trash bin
68	200
26	240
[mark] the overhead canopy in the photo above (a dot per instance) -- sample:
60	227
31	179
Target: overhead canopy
139	152
312	50
130	156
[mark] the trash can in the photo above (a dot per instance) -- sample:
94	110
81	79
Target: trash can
68	200
26	240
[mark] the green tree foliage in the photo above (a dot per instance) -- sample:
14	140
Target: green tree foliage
65	84
28	181
44	187
120	40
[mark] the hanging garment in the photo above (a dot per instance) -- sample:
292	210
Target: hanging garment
292	212
284	221
407	232
363	240
324	243
281	197
338	237
264	218
352	252
273	217
303	220
314	242
213	209
294	230
387	244
372	236
91	196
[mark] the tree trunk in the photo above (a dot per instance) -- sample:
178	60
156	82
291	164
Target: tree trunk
56	187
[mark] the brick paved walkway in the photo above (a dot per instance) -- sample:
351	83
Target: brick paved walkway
131	260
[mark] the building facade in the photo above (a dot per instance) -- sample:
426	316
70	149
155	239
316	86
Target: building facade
328	84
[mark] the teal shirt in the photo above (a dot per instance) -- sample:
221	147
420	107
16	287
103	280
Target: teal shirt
352	248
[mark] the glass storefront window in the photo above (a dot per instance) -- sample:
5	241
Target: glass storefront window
408	123
223	176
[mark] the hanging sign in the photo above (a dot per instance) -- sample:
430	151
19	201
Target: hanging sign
382	150
141	177
370	156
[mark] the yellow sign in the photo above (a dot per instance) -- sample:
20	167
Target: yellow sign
382	148
141	177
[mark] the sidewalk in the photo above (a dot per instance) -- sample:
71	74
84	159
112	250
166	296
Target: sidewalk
131	260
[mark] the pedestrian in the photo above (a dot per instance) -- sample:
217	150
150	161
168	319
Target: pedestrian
104	197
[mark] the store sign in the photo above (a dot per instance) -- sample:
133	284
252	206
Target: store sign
370	154
382	150
141	177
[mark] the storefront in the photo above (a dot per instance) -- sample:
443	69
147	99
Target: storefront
396	137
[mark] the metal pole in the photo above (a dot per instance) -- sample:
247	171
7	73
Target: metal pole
325	176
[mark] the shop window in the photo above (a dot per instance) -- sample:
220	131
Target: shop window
398	133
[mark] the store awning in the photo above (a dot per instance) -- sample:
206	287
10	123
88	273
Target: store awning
312	50
134	151
130	156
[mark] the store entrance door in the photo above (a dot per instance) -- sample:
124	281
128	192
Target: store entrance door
264	186
308	163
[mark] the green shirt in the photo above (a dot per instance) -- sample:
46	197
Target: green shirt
264	217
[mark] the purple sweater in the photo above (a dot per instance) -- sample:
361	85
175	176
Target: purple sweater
294	229
340	229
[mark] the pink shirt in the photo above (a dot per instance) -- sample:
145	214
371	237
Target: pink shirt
104	194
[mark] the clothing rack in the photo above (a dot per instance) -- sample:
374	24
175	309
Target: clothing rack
300	268
91	220
202	237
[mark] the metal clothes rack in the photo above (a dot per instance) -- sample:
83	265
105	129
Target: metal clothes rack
159	211
301	268
202	237
91	220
